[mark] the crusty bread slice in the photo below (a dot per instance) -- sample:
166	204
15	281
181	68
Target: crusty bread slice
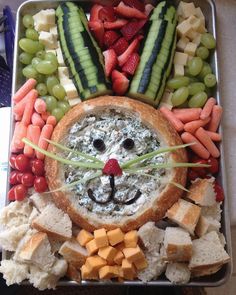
10	238
54	222
40	201
178	273
14	272
206	225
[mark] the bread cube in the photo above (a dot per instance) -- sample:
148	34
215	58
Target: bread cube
190	49
54	31
178	70
92	247
192	34
108	272
87	274
60	58
47	39
205	225
183	28
133	254
178	273
107	253
181	44
188	9
93	263
118	257
131	239
84	237
180	58
115	236
100	237
197	39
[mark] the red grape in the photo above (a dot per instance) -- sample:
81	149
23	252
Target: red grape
38	167
22	163
201	171
20	192
40	184
192	175
13	179
219	192
12	161
214	168
28	179
11	194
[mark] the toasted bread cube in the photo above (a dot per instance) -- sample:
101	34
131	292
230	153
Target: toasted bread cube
91	247
119	257
107	253
190	49
127	270
181	44
183	28
84	237
133	254
180	58
141	263
93	263
108	272
131	239
115	236
100	237
87	274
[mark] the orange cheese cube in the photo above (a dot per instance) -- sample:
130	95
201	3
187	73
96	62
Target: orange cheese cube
131	239
100	237
119	257
108	272
133	254
84	237
127	270
107	253
141	263
91	247
86	274
115	236
120	246
93	263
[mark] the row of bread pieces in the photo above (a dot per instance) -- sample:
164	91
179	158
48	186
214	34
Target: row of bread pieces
45	25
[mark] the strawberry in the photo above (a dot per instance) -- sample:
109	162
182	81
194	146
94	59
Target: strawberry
94	12
97	29
120	83
107	14
117	24
148	9
122	59
120	46
132	28
129	12
112	167
131	64
110	61
110	38
219	192
135	4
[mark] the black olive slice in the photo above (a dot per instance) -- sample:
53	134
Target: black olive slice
99	144
128	143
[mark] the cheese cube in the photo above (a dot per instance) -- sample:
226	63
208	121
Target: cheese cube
141	263
131	239
86	274
197	39
60	58
93	263
133	254
100	237
118	257
108	272
166	98
107	253
39	22
70	89
190	49
47	40
198	12
192	34
74	101
115	236
194	22
91	247
188	9
63	73
180	8
49	16
53	31
183	28
202	29
127	270
178	71
181	44
180	58
84	237
120	246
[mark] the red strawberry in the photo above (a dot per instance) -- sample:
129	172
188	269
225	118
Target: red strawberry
120	83
219	192
131	64
110	61
112	167
110	38
122	59
148	9
97	29
129	12
117	24
135	4
107	14
120	46
94	12
132	28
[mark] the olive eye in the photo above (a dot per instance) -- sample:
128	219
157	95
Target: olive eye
99	144
128	144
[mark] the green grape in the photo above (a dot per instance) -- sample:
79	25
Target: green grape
59	91
29	72
183	105
64	106
192	80
46	67
198	100
202	52
58	114
25	58
208	41
30	46
210	80
178	82
32	34
42	89
40	54
51	81
51	103
208	91
180	96
206	69
35	61
196	87
195	66
28	21
40	78
51	57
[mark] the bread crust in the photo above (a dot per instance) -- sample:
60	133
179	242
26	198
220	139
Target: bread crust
151	118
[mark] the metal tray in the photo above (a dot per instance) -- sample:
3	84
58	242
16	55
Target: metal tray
209	10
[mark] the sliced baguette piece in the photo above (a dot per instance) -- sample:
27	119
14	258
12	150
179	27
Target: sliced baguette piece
14	272
206	225
10	238
54	222
178	273
40	201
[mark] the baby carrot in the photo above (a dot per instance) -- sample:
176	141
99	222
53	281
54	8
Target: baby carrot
42	143
215	118
17	117
40	106
207	142
33	134
29	108
18	109
198	148
52	121
25	89
206	111
178	125
187	115
37	120
214	136
194	125
19	133
45	116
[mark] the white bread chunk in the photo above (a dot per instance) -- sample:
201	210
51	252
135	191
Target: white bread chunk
151	236
33	215
207	252
206	225
10	238
59	267
14	272
74	253
205	271
178	273
178	244
185	214
40	201
54	222
55	244
212	211
202	192
22	242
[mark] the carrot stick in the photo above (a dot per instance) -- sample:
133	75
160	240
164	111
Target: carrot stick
52	121
42	143
29	107
187	115
40	106
19	133
33	134
206	111
37	120
215	118
198	148
24	90
178	125
214	136
194	125
207	142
